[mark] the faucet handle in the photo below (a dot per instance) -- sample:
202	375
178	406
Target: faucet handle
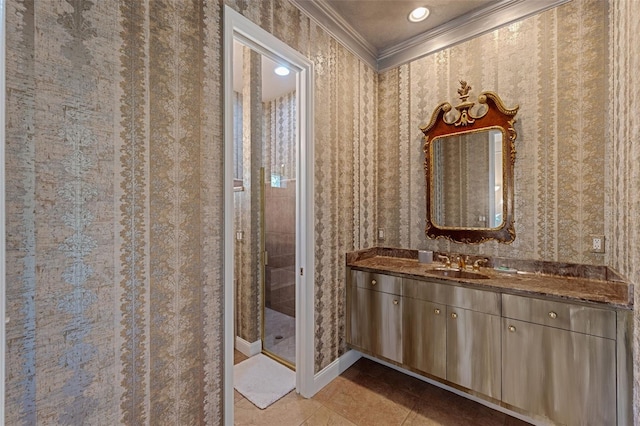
445	259
478	262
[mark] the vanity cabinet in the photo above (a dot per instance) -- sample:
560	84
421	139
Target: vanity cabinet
376	314
559	360
460	339
424	340
473	350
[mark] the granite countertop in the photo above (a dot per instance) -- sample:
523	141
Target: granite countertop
597	285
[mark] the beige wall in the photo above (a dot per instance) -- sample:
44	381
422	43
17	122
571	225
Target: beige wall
573	71
114	203
114	195
622	191
554	66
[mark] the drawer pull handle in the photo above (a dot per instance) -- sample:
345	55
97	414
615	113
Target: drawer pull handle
395	301
454	315
553	315
374	282
512	328
436	311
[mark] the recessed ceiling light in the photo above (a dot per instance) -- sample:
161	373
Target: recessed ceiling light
281	70
418	14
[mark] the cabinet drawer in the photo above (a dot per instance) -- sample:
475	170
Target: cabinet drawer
427	290
567	316
378	282
461	297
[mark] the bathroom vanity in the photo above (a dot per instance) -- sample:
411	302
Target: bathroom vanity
552	342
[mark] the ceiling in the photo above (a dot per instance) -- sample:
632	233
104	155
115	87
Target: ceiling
378	31
385	24
273	86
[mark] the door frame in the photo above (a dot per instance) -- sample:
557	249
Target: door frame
238	27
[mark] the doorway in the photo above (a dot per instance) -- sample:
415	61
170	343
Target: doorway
238	28
265	168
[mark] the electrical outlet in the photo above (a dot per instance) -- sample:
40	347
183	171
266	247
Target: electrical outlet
381	233
597	243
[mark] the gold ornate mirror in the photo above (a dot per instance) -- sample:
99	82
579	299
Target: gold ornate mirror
469	159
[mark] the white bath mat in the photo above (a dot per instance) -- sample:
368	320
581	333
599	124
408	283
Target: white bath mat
262	380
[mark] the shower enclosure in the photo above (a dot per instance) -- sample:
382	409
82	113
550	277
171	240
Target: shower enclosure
265	205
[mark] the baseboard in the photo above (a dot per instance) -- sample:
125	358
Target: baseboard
333	370
248	349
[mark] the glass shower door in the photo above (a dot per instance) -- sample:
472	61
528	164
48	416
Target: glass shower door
279	308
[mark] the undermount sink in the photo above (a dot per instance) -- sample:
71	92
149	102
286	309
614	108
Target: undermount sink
457	273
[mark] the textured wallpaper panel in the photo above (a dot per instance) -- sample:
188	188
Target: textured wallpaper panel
559	197
132	230
212	210
114	238
623	159
175	70
345	168
20	187
60	217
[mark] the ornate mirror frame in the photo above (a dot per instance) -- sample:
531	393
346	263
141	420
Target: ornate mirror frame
491	113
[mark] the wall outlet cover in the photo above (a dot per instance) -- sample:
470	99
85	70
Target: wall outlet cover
597	243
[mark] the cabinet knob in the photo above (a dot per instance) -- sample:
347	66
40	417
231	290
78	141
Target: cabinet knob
374	282
553	315
512	328
436	311
454	315
395	301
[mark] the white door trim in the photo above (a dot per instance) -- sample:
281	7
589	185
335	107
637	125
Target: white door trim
241	28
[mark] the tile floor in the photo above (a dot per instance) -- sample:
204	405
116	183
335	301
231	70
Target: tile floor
371	394
279	324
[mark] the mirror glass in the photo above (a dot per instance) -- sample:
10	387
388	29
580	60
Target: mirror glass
467	180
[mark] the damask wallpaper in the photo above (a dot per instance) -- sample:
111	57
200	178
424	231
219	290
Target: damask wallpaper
554	65
114	203
622	173
114	183
577	173
114	243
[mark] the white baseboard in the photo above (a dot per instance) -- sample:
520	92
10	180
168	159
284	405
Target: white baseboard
248	349
333	370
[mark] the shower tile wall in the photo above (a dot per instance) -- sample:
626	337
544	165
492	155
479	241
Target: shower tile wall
280	239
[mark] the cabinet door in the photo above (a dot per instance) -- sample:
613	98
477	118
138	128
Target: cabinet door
474	351
424	336
565	376
376	323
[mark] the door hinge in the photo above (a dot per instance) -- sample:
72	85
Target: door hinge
266	258
301	271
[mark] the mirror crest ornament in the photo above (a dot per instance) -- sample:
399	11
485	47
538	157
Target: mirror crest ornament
469	169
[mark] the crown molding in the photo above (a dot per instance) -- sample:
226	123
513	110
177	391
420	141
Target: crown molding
463	28
326	16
